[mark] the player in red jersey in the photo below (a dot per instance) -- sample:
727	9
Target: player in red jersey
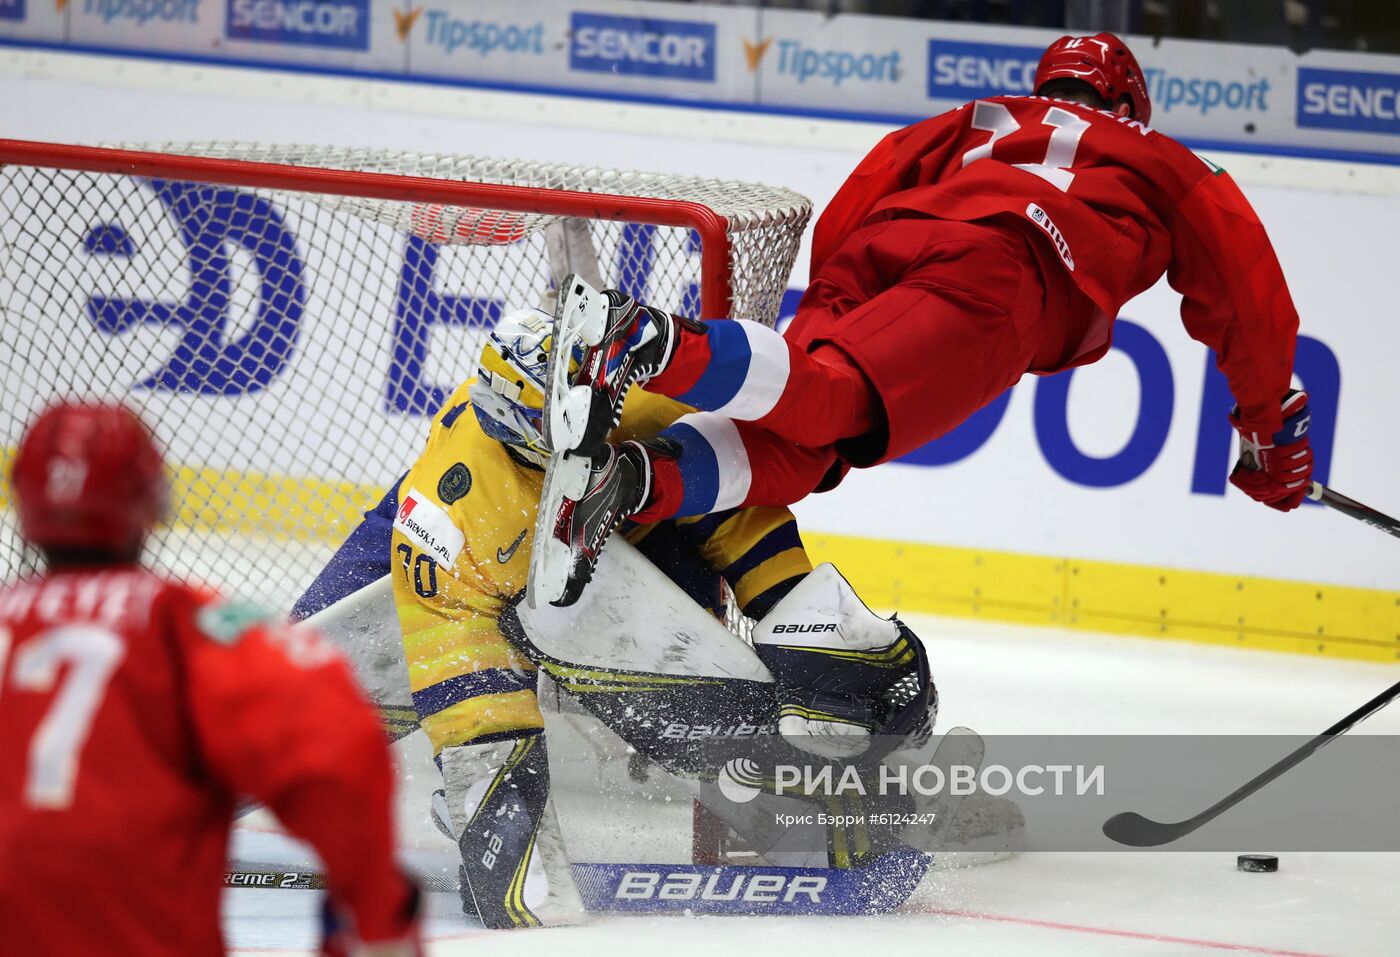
994	240
136	710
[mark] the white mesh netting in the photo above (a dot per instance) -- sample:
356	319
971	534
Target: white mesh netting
288	347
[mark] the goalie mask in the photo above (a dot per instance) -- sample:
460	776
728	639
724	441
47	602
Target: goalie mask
508	394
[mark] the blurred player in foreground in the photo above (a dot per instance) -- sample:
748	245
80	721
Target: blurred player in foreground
455	535
997	239
136	710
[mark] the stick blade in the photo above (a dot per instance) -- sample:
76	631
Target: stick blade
1134	830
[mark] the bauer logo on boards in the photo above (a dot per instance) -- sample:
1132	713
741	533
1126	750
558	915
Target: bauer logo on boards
430	528
342	24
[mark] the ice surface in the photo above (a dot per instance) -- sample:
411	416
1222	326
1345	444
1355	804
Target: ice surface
997	679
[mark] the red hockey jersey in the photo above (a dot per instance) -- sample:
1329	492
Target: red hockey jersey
134	711
1114	204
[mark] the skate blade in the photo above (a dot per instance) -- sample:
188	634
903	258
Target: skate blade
582	311
568	417
565	477
580	318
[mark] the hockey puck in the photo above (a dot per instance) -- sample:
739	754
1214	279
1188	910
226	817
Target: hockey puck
1257	863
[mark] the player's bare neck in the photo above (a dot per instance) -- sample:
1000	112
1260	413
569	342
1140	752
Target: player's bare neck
79	559
1089	100
1075	91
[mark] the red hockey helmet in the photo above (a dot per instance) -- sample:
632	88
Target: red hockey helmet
1104	62
89	476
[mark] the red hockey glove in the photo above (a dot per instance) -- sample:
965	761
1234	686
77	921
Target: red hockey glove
1277	469
339	940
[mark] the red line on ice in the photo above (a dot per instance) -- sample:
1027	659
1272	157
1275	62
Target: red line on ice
1111	932
297	951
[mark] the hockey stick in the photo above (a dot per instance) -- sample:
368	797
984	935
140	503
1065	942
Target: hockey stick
1134	830
1347	506
1336	500
273	877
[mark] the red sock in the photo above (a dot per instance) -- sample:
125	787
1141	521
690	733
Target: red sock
667	491
687	363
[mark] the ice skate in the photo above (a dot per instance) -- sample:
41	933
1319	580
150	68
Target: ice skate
583	499
618	341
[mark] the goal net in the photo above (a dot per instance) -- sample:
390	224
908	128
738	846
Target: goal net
287	317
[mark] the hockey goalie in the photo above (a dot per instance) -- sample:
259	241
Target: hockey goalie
825	677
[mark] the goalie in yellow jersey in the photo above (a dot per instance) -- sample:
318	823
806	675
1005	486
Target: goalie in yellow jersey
458	555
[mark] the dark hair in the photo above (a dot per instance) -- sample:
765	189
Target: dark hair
1068	88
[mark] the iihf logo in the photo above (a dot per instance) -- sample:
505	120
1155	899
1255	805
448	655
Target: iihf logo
740	780
1042	219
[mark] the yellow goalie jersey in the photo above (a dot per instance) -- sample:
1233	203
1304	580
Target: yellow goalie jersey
461	552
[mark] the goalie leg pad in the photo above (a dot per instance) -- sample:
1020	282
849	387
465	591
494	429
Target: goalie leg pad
844	673
515	870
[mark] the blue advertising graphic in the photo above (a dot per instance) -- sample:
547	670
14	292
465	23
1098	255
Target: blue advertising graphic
966	71
836	67
418	307
1205	95
483	37
959	70
1315	364
143	12
642	46
205	361
338	24
1348	100
12	9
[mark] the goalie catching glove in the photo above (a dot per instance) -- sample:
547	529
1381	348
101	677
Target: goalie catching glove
1277	469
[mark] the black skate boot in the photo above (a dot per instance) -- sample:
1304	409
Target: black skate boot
583	500
618	341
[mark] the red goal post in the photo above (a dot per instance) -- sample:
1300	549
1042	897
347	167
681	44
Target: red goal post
712	228
286	317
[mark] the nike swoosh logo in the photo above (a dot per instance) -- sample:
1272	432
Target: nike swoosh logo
505	555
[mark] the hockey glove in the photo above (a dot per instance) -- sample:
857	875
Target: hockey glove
1277	469
338	939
